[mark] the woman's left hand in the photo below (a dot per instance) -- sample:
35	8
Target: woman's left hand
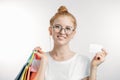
99	58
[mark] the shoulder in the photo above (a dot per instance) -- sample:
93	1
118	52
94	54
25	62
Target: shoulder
82	58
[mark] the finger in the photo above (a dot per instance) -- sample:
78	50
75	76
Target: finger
102	54
104	51
98	56
38	52
37	56
37	49
101	58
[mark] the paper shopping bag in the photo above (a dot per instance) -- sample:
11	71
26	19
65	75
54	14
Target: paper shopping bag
24	74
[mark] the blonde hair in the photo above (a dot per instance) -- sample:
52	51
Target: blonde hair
62	11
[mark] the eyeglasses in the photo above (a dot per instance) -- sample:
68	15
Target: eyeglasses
67	30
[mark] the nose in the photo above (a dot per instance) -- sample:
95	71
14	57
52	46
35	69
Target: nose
62	31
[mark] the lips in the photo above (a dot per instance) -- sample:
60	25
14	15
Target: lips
61	37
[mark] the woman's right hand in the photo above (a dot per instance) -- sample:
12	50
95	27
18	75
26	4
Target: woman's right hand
40	55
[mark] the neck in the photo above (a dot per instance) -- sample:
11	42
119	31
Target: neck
61	51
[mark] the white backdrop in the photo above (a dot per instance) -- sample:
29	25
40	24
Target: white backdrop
24	25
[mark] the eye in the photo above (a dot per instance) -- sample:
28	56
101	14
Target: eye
57	26
68	28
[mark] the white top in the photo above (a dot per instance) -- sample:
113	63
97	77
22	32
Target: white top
75	68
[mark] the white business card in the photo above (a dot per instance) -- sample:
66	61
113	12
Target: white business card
94	48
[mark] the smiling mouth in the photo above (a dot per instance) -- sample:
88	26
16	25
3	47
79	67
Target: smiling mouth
61	37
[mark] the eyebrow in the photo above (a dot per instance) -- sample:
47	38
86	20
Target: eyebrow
65	26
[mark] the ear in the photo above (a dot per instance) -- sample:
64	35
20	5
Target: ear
50	30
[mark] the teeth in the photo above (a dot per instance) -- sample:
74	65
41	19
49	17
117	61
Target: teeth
60	37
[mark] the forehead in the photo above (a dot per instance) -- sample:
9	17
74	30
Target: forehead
64	21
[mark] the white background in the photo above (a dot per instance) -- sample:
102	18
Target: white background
24	25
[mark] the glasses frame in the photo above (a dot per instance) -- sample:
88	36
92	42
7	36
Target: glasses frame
54	26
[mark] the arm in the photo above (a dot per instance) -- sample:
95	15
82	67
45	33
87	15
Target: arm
97	60
93	72
39	75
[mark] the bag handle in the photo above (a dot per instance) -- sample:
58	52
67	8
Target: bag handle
30	59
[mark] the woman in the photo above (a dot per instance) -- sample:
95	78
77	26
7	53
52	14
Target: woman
61	63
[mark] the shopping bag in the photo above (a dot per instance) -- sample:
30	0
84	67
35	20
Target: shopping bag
24	74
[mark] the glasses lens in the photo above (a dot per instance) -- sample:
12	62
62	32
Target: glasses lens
68	30
58	28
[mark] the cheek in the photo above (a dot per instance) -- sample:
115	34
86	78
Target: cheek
54	35
69	38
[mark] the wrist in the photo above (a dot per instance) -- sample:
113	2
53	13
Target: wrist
93	67
43	62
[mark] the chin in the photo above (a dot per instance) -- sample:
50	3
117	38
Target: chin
61	43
